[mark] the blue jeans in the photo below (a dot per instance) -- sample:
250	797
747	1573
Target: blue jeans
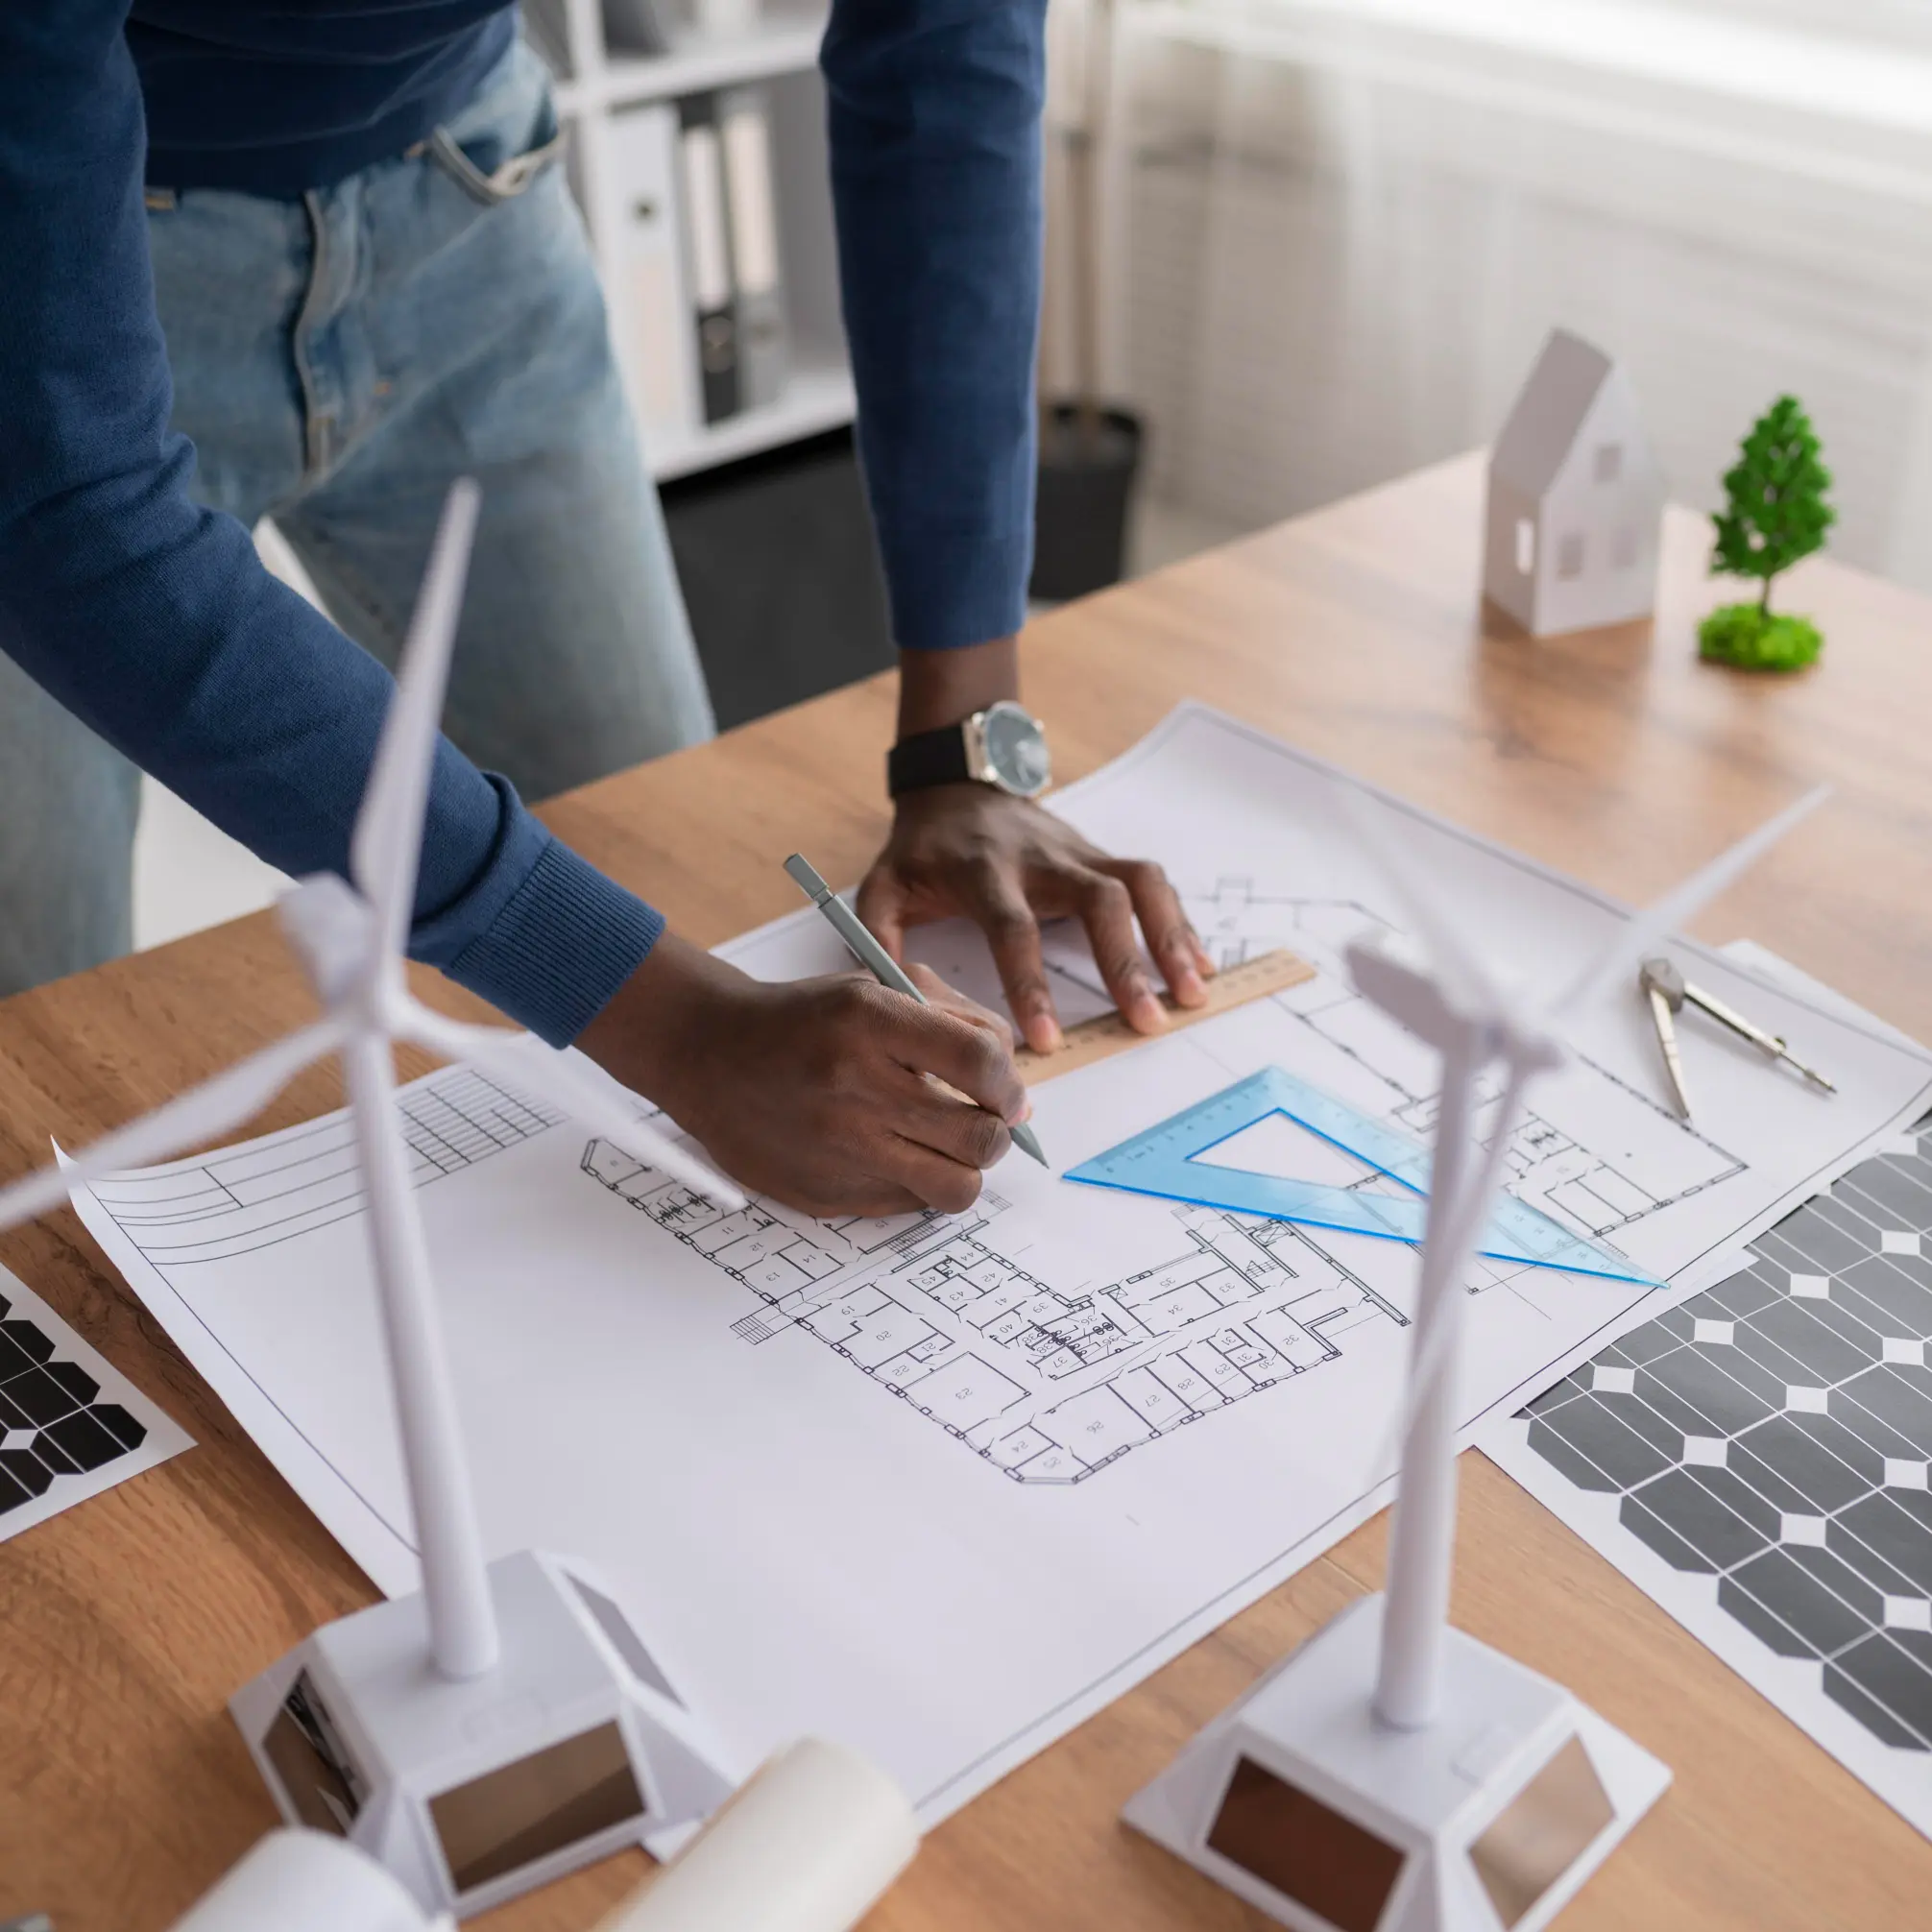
338	360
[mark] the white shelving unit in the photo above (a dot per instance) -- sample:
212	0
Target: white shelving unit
780	43
779	53
816	398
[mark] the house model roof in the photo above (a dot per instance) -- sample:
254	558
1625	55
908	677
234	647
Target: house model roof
1550	412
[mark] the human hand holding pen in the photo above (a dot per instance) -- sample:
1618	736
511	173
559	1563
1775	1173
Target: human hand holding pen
878	961
817	1092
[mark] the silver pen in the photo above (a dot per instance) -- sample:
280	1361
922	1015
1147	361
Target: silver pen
879	964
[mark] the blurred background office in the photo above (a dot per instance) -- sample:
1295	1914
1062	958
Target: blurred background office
1295	247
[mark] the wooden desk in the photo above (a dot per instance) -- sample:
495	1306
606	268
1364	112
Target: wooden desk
124	1789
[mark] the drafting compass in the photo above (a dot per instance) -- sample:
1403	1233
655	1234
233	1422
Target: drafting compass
1668	990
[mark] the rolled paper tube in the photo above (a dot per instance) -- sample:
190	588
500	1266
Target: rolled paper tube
809	1843
305	1881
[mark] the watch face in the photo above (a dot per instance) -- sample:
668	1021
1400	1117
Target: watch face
1016	749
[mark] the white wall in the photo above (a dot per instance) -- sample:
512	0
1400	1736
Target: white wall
1347	244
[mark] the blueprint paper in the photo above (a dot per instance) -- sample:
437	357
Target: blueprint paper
940	1487
71	1424
1755	1462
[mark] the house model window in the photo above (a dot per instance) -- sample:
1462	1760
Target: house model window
1575	497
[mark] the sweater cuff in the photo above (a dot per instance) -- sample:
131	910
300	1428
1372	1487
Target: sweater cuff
547	938
950	589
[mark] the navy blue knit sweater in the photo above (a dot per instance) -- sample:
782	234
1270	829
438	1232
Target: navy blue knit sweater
153	620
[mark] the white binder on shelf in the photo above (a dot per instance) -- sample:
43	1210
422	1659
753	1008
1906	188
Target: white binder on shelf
707	256
658	346
744	121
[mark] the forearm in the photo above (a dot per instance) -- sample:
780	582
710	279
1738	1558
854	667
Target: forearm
933	113
153	620
940	687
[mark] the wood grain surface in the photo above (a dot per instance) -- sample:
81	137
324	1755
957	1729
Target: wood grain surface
1355	632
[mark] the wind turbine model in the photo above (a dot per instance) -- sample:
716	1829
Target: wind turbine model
1392	1773
507	1724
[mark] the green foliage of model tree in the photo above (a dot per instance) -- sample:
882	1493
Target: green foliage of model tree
1775	515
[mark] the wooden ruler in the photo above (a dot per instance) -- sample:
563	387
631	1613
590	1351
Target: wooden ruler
1231	987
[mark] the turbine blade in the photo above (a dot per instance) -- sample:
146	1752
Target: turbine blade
1463	975
549	1076
388	840
1412	998
203	1113
1639	935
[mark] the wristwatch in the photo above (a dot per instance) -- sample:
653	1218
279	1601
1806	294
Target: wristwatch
1004	745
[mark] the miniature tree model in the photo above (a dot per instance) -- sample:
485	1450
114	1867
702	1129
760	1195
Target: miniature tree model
1777	514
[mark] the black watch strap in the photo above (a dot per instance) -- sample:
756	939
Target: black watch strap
928	758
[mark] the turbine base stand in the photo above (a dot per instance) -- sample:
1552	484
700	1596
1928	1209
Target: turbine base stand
572	1748
1300	1800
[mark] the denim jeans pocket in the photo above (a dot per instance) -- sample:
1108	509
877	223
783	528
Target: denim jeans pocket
506	136
506	183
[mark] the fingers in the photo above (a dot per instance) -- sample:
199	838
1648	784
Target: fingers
1107	912
880	906
1174	944
971	1061
997	902
929	1147
928	1114
949	998
847	1195
948	1185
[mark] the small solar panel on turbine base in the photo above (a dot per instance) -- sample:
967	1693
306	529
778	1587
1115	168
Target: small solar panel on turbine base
1300	1800
573	1746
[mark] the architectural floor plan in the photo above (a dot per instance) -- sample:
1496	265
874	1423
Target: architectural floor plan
243	1200
939	1487
1655	1159
1046	1383
1052	1378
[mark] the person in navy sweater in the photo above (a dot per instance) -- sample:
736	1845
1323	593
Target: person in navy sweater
315	258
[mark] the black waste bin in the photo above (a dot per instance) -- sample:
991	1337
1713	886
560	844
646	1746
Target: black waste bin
1088	460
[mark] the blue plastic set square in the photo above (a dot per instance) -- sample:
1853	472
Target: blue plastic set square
1165	1161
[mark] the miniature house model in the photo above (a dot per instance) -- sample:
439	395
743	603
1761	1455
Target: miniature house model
1575	497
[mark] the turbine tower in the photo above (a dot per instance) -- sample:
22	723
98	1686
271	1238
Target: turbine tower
1394	1774
506	1723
